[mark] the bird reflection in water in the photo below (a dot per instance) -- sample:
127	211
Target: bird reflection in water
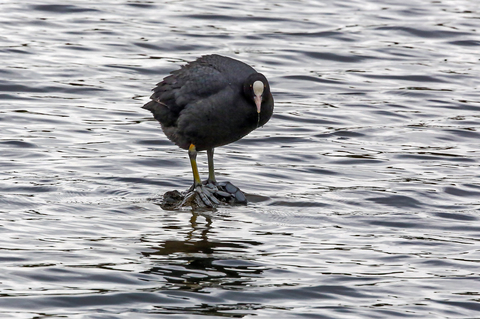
197	263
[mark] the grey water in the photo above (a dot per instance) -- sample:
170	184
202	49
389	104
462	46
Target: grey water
364	187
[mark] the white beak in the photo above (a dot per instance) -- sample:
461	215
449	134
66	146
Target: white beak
258	92
258	102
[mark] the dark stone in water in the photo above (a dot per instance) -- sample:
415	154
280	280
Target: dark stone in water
225	192
171	199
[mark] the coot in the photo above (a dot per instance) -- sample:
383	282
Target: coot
210	102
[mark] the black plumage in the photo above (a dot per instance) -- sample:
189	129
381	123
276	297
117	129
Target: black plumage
205	103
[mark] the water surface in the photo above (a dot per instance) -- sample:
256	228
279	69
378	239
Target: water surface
364	187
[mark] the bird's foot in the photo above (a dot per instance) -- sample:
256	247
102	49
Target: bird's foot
227	192
207	195
200	196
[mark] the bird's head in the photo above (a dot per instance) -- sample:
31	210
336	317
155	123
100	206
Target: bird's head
257	89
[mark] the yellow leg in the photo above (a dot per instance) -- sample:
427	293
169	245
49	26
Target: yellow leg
192	153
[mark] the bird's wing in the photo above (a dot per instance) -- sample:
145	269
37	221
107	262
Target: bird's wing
193	82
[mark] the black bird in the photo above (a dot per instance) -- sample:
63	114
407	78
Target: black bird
210	102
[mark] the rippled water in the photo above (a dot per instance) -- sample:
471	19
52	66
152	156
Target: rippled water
364	187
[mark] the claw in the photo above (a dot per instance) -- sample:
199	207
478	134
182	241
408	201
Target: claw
207	196
199	196
203	196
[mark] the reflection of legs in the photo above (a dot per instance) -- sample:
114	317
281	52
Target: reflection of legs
196	226
211	170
